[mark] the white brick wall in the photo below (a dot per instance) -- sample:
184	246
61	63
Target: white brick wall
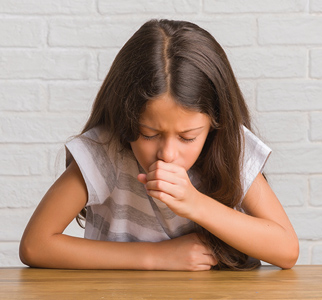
55	54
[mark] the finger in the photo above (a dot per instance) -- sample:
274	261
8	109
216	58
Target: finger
208	260
161	186
159	164
205	267
142	178
162	196
212	260
206	263
207	252
162	175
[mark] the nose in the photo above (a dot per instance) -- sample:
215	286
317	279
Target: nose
167	151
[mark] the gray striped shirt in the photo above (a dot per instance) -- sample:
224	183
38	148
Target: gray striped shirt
118	207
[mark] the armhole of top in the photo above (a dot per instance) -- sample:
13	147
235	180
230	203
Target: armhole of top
254	157
69	159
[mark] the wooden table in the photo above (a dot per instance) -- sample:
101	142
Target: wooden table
267	282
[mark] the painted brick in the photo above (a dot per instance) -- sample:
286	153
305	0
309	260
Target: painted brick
316	5
22	96
53	64
316	254
22	192
9	255
22	160
74	229
282	127
316	63
306	222
316	190
305	250
316	126
13	223
90	33
22	33
290	30
286	95
105	60
248	89
44	7
295	158
251	6
231	31
72	96
291	190
57	159
69	46
39	128
269	62
143	6
237	31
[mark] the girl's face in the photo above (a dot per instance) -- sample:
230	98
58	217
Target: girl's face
170	133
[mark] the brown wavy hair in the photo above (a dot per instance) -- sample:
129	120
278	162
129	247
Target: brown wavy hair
186	61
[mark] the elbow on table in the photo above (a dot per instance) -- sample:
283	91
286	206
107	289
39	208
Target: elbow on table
28	254
291	255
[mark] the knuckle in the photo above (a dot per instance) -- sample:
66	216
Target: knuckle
180	194
149	177
158	184
193	268
157	173
196	247
162	196
159	164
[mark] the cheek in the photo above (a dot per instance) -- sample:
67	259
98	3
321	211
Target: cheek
195	151
192	155
143	153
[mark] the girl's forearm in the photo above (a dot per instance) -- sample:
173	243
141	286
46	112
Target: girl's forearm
257	237
62	251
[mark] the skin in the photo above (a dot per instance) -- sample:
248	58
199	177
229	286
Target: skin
170	142
171	134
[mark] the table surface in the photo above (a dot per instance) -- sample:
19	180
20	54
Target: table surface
267	282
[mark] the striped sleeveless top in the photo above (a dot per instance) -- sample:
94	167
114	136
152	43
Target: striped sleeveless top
118	207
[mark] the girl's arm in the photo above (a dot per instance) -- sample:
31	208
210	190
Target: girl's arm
265	232
44	245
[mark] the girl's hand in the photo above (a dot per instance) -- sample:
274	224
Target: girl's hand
170	184
185	253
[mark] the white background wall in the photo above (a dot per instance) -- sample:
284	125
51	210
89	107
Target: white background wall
55	54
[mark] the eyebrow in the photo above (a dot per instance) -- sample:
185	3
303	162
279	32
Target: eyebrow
185	131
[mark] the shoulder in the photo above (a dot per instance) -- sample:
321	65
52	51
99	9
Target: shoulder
254	145
96	143
254	157
101	161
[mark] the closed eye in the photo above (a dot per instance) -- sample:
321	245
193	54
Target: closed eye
149	137
187	140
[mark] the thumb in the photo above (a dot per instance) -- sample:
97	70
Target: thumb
142	178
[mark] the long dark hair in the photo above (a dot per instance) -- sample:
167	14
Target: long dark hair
187	62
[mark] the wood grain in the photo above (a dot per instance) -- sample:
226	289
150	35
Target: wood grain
267	282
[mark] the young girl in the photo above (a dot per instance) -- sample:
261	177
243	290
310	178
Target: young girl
166	170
